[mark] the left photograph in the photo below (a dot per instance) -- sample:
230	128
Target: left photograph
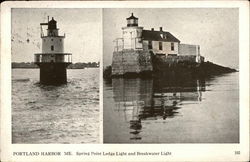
55	57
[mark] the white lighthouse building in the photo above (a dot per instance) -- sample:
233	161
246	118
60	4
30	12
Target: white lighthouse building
133	52
52	43
52	61
132	34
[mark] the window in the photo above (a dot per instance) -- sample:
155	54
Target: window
60	40
172	46
149	44
52	48
51	39
44	40
160	45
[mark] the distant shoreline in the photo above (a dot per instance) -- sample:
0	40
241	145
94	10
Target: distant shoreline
32	65
38	68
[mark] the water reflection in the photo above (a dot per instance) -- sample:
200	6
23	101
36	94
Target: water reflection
159	99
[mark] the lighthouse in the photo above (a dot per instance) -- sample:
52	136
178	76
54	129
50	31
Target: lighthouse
132	34
53	62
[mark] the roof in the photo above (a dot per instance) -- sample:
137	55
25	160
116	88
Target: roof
52	20
132	17
52	24
158	36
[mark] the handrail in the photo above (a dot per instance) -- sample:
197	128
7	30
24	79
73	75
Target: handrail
119	44
53	54
53	57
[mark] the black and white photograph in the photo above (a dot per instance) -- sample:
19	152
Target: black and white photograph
124	81
55	58
171	75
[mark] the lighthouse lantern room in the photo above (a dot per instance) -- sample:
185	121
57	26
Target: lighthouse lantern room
53	62
131	35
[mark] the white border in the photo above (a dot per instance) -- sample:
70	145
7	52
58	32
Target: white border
101	86
180	152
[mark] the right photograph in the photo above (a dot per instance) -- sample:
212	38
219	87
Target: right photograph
171	75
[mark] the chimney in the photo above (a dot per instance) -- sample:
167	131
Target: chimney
48	18
152	29
160	28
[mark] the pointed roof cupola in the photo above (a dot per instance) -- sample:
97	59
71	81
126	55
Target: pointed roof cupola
52	24
132	21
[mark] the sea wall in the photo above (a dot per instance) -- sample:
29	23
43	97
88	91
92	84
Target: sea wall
182	58
131	61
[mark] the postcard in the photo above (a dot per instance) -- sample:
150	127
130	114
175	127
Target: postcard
125	81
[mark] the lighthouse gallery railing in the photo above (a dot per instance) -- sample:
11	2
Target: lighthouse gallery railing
119	44
55	57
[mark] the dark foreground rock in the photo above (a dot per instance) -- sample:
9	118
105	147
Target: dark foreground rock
181	69
205	69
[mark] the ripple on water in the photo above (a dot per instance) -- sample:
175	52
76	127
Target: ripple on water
55	114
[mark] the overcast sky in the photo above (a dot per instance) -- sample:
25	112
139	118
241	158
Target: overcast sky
81	26
215	30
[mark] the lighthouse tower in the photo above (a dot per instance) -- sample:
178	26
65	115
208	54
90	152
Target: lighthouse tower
52	61
129	56
132	34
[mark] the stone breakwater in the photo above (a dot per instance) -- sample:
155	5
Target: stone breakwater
131	61
160	69
204	69
134	63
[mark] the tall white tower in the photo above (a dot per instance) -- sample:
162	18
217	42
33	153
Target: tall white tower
52	43
132	34
52	61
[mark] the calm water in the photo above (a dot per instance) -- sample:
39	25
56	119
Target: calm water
170	111
55	114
